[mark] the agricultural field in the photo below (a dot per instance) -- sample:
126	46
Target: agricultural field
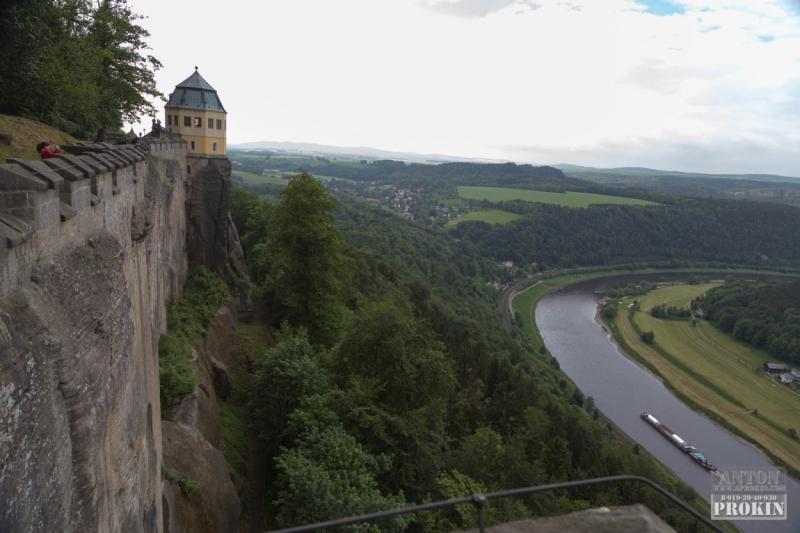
712	378
494	216
677	295
254	179
568	199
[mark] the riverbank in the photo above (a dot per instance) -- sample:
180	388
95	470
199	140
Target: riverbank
729	394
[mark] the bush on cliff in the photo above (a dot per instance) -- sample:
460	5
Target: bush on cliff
188	318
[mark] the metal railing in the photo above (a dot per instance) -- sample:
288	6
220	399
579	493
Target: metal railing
480	501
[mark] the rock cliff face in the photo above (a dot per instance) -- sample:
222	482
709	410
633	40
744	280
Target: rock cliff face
91	247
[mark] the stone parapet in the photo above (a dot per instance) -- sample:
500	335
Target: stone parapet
50	203
92	246
626	519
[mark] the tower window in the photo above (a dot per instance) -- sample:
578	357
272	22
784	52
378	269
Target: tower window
176	120
169	120
192	145
211	123
198	122
187	121
219	124
213	147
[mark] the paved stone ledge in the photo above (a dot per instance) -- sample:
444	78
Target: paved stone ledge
628	519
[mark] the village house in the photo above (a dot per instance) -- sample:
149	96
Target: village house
774	368
791	377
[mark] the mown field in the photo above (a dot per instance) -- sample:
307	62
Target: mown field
494	216
568	199
254	179
710	377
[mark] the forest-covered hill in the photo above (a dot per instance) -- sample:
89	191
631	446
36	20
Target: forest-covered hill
755	187
766	315
394	382
745	233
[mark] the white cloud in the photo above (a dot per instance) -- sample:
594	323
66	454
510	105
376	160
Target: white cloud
599	80
478	8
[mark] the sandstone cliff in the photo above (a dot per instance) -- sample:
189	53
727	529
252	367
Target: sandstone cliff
91	247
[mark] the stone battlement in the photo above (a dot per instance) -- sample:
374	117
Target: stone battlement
47	204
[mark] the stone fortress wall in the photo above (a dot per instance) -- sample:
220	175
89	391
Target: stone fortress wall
92	245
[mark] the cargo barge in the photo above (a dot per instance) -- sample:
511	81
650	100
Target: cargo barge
681	444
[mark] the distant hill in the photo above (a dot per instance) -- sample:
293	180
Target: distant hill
356	152
649	172
25	135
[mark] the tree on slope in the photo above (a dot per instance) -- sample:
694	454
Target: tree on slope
308	274
127	76
77	65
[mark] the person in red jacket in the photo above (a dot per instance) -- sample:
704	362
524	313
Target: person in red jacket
44	149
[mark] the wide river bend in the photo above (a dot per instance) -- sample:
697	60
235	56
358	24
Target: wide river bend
622	390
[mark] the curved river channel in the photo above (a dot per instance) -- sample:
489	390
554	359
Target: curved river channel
622	390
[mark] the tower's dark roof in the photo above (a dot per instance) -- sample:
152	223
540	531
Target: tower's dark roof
195	93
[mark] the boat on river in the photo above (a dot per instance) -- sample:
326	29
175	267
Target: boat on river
681	444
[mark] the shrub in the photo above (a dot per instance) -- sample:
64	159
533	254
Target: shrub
188	318
188	486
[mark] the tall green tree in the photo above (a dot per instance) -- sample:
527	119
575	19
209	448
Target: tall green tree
307	272
394	383
48	67
126	79
286	374
77	65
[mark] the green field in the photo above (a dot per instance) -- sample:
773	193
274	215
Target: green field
495	216
568	199
711	378
254	179
525	304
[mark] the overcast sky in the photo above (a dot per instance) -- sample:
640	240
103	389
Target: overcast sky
692	85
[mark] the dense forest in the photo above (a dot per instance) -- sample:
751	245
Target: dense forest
765	314
739	232
777	189
394	383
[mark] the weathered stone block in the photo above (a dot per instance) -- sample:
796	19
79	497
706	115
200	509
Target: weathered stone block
10	236
77	163
16	223
92	158
215	506
76	194
628	519
41	171
64	169
16	178
67	212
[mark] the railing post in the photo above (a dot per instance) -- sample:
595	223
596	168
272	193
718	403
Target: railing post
479	501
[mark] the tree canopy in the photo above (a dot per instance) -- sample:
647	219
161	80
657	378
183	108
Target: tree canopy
77	65
424	396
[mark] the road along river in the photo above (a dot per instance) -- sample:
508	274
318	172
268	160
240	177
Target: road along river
622	390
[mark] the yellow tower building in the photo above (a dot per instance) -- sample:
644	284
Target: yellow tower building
195	111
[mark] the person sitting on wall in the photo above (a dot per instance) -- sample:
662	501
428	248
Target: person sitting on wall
44	149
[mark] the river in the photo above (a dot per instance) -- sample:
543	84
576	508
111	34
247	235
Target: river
622	390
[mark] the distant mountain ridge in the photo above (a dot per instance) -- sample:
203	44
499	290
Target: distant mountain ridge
358	151
649	172
376	153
